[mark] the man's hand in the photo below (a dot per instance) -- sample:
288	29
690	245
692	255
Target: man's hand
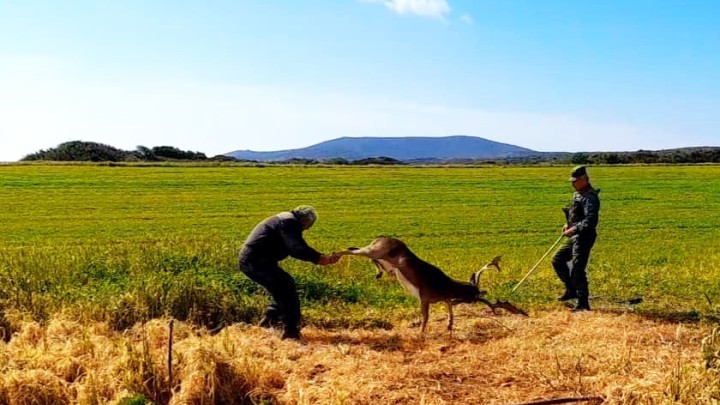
331	259
569	230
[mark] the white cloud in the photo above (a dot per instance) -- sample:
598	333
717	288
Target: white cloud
467	19
425	8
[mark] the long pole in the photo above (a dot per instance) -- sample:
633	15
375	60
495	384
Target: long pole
538	263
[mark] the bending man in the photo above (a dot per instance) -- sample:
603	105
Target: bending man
273	240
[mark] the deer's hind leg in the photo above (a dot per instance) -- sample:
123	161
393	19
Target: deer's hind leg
375	250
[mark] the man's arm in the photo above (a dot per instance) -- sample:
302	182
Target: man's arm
300	250
296	245
591	209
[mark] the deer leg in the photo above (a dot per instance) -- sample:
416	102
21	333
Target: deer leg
425	308
371	251
379	268
450	314
488	303
504	305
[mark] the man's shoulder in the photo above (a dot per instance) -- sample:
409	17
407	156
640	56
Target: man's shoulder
591	193
287	220
272	221
591	197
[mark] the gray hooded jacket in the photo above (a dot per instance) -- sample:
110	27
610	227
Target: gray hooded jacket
276	238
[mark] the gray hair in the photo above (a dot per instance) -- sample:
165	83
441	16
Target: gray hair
305	213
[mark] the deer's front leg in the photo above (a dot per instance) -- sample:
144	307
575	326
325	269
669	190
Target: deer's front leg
450	314
425	308
488	303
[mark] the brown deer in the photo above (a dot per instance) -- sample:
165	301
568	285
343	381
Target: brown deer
426	281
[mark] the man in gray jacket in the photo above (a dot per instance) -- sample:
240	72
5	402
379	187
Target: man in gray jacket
273	240
582	219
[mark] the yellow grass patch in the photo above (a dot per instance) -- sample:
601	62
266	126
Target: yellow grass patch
490	360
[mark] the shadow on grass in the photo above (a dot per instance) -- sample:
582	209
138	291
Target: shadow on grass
380	343
636	306
657	315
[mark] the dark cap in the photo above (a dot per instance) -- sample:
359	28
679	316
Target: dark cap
578	172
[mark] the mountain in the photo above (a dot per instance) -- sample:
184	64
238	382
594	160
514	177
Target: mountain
405	149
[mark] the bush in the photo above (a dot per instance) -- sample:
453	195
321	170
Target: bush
82	152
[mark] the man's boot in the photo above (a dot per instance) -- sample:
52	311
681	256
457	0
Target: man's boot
583	303
293	334
273	316
269	321
265	322
568	295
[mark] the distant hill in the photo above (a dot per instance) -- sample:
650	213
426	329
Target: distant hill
405	149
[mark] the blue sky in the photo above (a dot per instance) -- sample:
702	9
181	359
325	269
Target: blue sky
217	76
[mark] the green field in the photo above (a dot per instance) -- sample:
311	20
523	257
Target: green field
128	243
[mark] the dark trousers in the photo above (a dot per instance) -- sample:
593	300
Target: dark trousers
284	305
575	251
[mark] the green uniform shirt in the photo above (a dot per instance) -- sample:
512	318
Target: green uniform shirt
584	211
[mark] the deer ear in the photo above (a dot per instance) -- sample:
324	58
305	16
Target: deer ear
472	279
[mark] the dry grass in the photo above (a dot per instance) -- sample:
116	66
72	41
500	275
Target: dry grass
488	360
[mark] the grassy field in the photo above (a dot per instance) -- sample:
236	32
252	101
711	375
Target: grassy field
118	242
129	244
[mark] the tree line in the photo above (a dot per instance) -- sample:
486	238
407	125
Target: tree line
684	155
96	152
80	151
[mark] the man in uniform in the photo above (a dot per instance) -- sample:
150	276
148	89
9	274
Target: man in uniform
582	219
273	240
